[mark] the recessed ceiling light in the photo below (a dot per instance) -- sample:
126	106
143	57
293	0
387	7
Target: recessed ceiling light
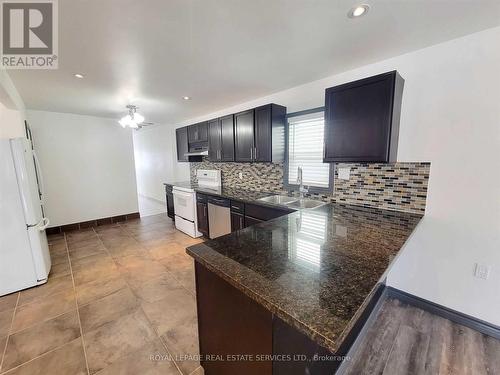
358	11
78	75
186	97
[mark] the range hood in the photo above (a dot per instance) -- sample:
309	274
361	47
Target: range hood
197	153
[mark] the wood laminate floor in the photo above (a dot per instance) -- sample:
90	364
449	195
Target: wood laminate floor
404	339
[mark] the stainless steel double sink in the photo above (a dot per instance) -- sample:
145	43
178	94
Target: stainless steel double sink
292	202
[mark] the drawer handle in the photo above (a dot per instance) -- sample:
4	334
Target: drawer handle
218	201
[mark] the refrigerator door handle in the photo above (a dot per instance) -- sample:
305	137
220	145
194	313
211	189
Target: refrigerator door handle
39	175
43	224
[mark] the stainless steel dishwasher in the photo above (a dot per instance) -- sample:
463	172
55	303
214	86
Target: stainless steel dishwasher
219	217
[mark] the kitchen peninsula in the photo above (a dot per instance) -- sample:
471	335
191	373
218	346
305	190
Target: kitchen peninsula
289	296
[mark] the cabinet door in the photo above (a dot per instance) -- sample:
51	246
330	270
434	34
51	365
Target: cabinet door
203	131
202	217
227	138
243	136
182	143
237	222
263	133
214	140
170	205
192	133
198	132
358	120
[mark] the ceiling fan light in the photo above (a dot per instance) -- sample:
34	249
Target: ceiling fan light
138	118
126	121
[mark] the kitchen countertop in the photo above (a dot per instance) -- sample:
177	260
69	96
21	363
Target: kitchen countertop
247	196
315	269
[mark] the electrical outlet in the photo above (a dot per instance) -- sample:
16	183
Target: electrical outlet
340	230
482	271
344	173
240	175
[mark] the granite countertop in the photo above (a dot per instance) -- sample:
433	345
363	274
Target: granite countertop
315	269
247	196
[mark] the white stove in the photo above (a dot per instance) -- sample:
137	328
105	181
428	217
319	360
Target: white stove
185	200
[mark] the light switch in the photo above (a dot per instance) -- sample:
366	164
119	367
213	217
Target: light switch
482	271
344	173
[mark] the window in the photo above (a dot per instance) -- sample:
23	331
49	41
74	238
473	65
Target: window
305	149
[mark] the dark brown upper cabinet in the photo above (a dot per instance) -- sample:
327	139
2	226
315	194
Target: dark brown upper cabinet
244	136
214	140
198	132
221	139
362	119
181	135
260	134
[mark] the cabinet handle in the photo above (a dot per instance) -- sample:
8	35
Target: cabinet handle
251	153
255	152
204	210
241	222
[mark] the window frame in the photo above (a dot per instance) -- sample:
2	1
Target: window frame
295	187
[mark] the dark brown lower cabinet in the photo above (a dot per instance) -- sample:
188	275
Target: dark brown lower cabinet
202	217
236	334
237	221
170	201
230	324
251	221
306	357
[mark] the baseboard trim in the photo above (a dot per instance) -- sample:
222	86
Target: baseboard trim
444	312
92	223
376	303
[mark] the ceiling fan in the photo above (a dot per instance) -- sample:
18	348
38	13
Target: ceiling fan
134	119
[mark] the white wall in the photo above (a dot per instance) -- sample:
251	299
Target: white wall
450	117
87	164
155	160
12	111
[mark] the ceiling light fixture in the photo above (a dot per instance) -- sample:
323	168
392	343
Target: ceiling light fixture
78	75
186	97
358	11
133	119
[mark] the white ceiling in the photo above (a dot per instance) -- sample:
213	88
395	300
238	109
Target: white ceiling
224	52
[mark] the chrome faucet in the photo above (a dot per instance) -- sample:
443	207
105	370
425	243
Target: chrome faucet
300	182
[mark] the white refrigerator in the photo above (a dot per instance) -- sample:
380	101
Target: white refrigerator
24	252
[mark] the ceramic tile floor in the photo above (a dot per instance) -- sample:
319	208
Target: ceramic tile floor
117	295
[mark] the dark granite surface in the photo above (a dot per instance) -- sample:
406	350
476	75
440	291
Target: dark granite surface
247	196
315	269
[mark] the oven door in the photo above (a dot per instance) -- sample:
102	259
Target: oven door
184	205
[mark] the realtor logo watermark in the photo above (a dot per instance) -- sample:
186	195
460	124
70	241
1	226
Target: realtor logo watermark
29	34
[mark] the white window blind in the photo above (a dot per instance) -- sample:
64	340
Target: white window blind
305	149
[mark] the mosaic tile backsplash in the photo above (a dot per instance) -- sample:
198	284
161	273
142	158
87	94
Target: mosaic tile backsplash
395	186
